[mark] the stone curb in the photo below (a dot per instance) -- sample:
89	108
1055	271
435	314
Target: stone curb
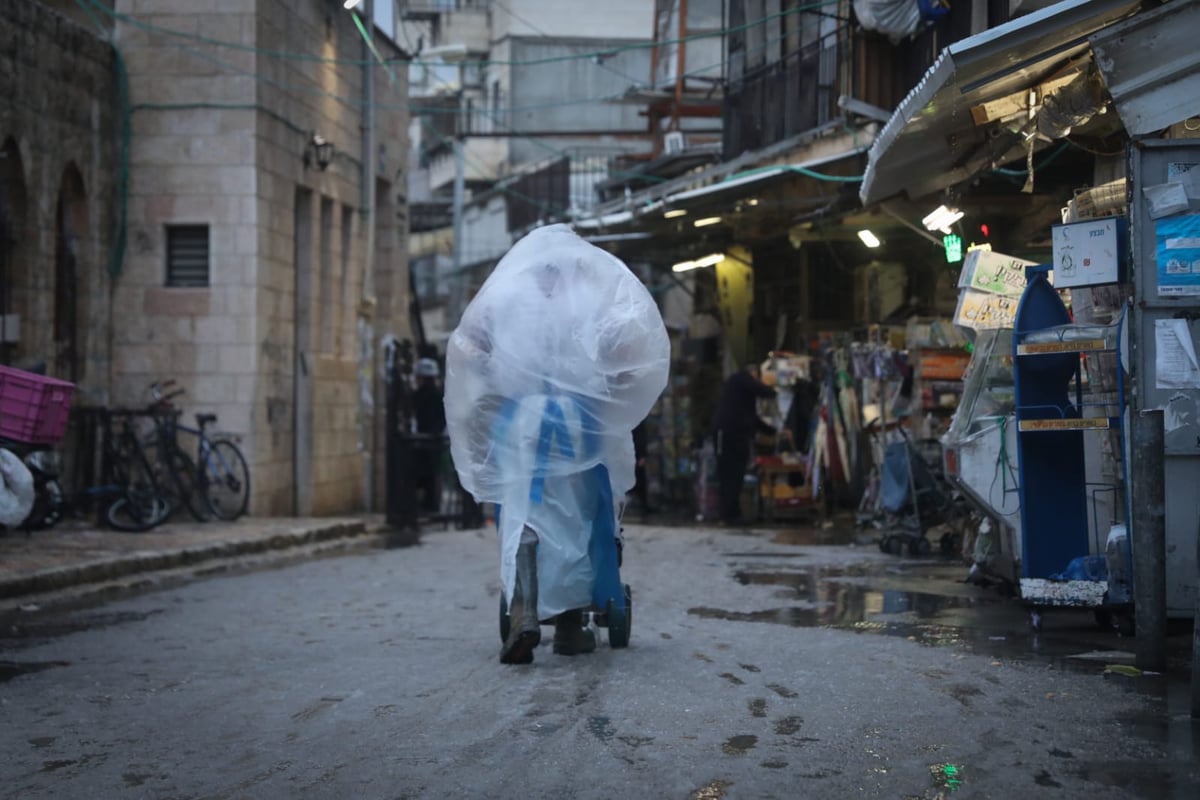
108	569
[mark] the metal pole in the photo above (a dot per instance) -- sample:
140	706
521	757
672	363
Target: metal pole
1196	645
457	294
367	236
1148	538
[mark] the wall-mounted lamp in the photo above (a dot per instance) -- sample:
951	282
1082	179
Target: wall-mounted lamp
868	238
941	218
700	223
707	261
318	152
675	212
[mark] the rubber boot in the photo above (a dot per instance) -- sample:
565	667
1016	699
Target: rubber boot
570	637
525	630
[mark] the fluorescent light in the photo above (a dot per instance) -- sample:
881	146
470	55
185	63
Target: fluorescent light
351	4
675	212
941	218
868	238
707	261
700	223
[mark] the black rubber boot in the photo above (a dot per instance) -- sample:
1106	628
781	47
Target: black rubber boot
525	631
570	637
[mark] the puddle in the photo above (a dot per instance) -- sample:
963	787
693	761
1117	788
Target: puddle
739	745
15	669
948	777
712	791
927	603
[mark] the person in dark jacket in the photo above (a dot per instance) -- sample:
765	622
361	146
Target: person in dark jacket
429	417
735	424
641	489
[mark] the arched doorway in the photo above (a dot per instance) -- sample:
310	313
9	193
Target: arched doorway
71	232
14	282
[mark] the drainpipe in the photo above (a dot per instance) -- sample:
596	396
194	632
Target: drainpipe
367	306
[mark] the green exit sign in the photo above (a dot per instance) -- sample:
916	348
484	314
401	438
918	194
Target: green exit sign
953	245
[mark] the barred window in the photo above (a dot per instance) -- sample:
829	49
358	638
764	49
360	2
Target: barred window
187	255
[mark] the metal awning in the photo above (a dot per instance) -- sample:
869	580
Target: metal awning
1151	65
951	125
734	187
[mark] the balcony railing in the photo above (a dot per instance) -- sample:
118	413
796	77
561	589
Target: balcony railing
799	92
422	9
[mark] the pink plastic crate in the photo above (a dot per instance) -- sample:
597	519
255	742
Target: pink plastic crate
33	408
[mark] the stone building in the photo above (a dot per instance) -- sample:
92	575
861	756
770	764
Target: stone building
57	173
261	263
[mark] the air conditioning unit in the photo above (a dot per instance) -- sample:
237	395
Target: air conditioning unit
673	142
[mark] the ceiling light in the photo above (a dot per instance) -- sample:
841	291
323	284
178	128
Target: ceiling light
700	223
941	218
753	201
868	238
707	261
675	212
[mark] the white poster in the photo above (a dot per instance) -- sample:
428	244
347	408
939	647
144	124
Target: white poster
1175	363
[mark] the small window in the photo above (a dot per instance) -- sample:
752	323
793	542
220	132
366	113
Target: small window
187	255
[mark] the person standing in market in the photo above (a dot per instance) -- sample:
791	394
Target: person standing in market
736	422
641	487
429	420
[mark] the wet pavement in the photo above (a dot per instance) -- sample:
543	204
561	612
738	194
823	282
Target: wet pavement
759	666
74	557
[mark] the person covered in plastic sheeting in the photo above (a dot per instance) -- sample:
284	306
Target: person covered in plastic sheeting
555	361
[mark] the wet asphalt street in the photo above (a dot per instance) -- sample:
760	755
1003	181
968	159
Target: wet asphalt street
758	668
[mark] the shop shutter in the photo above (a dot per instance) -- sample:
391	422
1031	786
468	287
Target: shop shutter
187	255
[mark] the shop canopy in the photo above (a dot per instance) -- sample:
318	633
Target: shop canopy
1151	66
972	111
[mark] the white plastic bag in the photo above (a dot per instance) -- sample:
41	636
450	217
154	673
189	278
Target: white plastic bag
555	361
16	490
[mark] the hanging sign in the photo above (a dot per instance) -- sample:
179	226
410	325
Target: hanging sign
982	311
992	272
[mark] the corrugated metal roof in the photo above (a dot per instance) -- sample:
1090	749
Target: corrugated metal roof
1151	65
932	140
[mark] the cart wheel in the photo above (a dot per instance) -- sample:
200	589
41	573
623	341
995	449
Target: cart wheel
619	625
921	547
505	619
895	545
1104	619
1035	620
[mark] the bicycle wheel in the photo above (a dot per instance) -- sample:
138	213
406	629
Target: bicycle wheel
140	505
225	481
182	482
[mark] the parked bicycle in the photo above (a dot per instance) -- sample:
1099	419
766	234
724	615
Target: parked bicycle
213	483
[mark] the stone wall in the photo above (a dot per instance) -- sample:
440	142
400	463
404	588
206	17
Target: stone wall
57	188
273	344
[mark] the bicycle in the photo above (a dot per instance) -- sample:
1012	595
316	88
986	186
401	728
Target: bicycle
220	477
139	503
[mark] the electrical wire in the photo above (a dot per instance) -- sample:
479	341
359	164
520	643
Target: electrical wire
1021	173
284	54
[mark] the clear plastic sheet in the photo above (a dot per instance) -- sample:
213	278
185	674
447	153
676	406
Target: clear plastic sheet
555	361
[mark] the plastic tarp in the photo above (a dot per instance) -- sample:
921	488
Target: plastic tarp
555	361
894	18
